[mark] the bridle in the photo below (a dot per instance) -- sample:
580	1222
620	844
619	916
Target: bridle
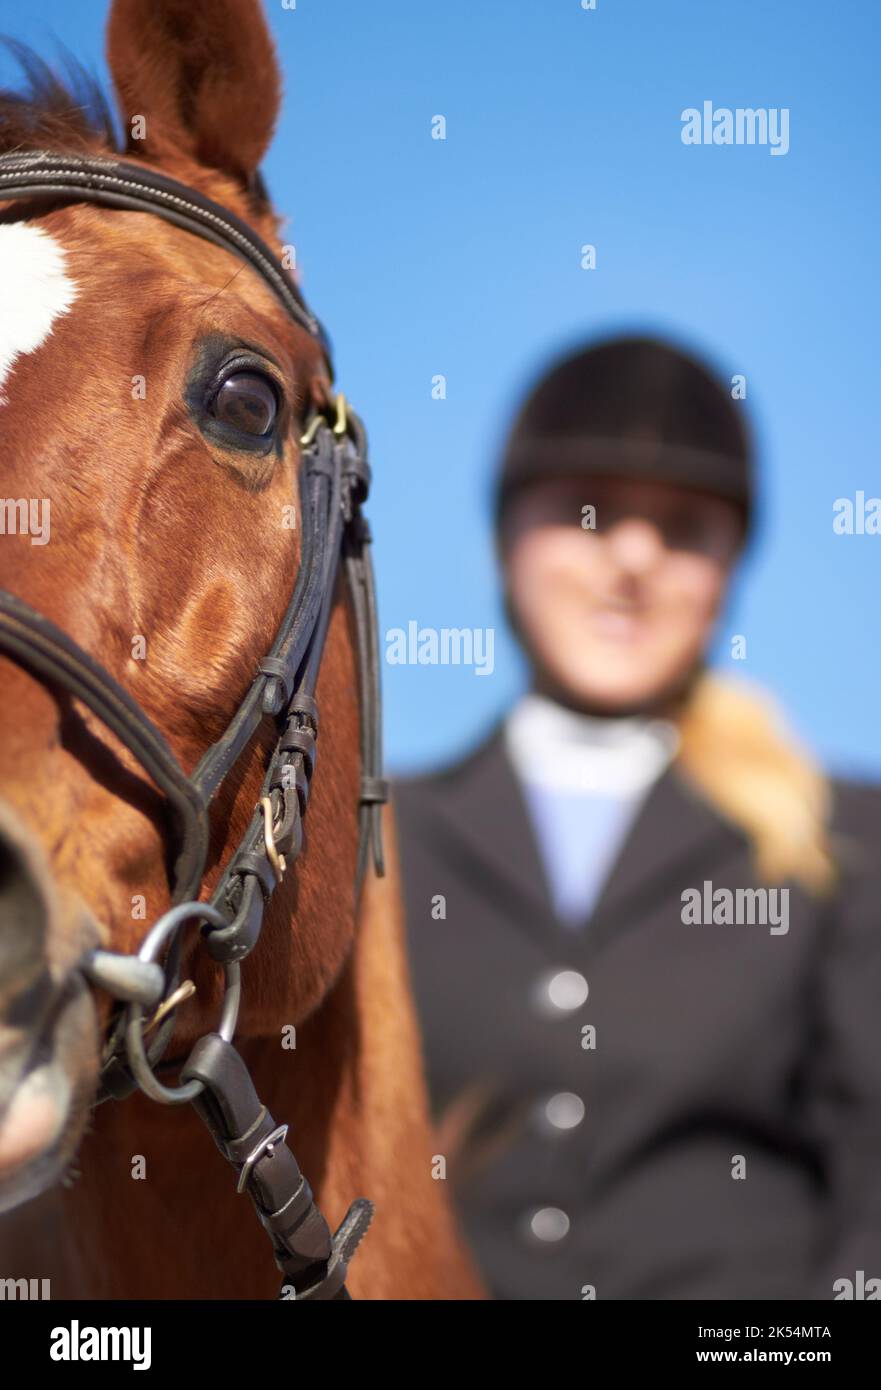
334	482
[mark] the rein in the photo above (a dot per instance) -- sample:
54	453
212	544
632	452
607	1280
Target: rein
334	483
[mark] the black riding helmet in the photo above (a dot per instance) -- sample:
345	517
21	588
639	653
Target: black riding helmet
632	407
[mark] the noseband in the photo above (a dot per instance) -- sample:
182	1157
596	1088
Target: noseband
334	482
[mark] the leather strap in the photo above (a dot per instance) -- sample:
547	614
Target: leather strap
313	1262
115	183
36	643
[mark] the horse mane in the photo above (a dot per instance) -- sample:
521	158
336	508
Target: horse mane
65	110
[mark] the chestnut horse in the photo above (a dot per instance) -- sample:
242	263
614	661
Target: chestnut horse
166	558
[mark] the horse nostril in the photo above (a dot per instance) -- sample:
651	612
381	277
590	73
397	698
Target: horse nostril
25	898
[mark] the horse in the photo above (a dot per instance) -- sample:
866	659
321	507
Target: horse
186	582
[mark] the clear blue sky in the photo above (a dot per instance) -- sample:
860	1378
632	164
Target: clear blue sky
462	257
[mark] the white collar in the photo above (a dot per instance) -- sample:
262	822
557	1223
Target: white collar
558	748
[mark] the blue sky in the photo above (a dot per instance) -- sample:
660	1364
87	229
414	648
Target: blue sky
461	257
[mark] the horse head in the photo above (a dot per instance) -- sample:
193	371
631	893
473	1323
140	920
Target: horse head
156	400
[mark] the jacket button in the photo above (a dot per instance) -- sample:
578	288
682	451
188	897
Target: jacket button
561	992
549	1224
565	1110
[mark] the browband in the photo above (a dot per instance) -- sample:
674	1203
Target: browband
137	188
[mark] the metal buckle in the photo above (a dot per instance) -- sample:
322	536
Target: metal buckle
277	860
265	1146
340	425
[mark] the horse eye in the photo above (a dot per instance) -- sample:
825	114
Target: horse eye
247	402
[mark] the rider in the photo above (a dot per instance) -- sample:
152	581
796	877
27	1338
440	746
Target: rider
643	923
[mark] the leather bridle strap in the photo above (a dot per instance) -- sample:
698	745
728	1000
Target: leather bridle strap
36	643
137	188
374	787
313	1263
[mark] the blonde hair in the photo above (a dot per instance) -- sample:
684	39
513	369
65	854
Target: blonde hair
735	749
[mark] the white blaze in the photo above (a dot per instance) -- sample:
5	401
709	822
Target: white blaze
35	290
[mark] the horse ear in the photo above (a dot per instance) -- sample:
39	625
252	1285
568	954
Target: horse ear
195	79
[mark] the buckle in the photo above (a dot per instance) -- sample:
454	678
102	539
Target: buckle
265	1146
